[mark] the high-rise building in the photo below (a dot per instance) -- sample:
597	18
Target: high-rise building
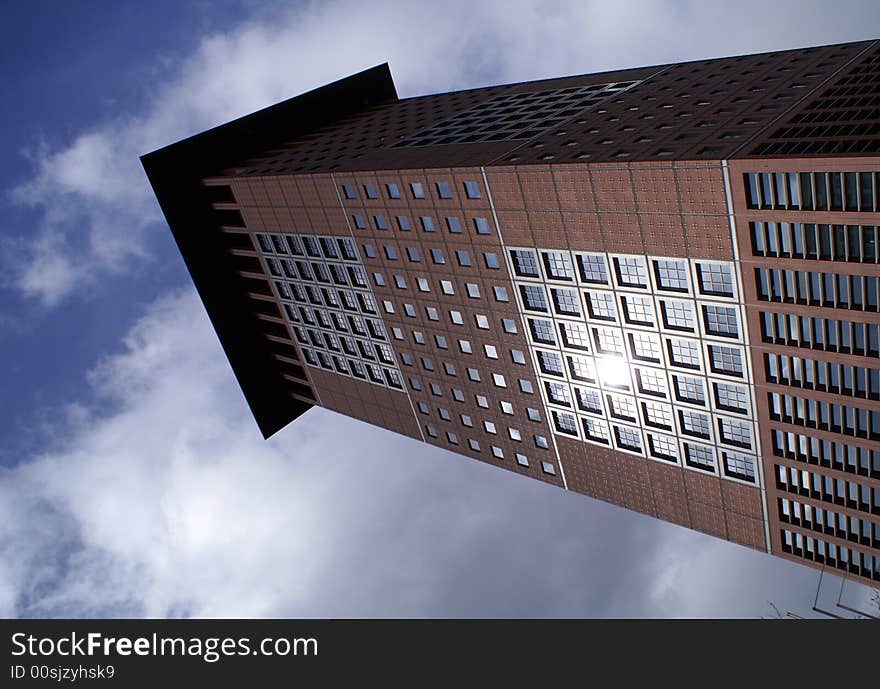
657	286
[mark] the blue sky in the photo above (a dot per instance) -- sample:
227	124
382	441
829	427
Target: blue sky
133	480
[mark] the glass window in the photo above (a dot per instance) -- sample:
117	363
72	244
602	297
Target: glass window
565	423
491	260
525	264
463	258
348	191
550	363
630	271
443	190
557	264
645	347
575	335
726	360
601	306
684	353
566	302
735	432
393	191
663	447
418	191
678	315
592	269
472	190
715	279
739	465
731	397
638	310
689	389
671	275
582	368
427	223
589	400
453	224
694	423
534	298
481	225
608	341
720	320
596	430
699	456
657	414
622	407
370	191
628	438
558	393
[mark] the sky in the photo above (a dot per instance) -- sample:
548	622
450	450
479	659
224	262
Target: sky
133	481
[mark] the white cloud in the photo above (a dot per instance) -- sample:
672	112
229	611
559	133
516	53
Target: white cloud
170	503
98	213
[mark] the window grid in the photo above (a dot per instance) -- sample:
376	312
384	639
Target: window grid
698	283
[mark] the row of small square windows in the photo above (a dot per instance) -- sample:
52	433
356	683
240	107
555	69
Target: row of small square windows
330	248
453	223
416	190
456	317
490	427
367	349
377	375
718	320
438	256
644	347
823	334
647	382
447	287
497	452
483	402
677	316
736	464
340	274
464	345
336	299
630	271
473	374
678	420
